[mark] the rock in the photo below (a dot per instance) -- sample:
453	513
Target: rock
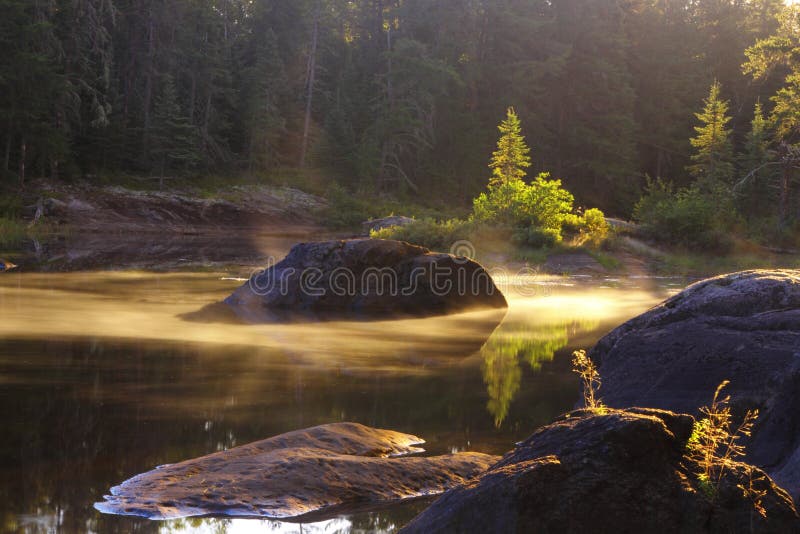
386	222
368	278
620	471
325	470
88	208
573	263
743	327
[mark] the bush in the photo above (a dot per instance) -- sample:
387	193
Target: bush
593	227
429	233
537	237
690	217
542	205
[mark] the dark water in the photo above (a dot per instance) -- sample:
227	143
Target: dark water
100	379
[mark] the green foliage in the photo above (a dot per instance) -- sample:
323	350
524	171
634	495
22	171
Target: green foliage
511	158
430	233
713	157
174	139
715	445
690	217
593	227
542	205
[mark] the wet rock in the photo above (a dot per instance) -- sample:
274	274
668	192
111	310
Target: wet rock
325	470
743	327
369	278
621	471
386	222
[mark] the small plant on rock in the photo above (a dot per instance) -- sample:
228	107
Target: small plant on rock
586	369
715	445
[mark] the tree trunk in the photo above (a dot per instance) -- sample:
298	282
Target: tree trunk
23	149
7	154
783	215
148	86
312	72
389	86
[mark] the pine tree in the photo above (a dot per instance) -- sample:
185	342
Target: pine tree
512	157
174	138
713	147
264	83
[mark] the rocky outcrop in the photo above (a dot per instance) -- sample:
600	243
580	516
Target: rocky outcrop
620	471
325	470
367	278
743	327
87	208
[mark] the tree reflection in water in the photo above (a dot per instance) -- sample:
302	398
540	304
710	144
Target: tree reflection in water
515	342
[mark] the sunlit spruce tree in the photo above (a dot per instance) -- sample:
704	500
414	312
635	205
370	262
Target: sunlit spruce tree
512	156
713	157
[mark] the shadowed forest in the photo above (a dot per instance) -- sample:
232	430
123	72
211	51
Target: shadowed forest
401	98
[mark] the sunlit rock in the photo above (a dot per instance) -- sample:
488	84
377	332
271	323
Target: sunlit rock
326	470
742	327
365	278
618	471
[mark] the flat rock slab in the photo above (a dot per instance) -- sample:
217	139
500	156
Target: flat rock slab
329	469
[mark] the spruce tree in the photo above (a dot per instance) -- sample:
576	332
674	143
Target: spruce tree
175	139
755	191
512	157
713	157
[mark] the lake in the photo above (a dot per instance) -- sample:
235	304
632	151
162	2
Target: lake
101	378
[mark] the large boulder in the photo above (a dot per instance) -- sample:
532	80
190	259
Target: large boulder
743	327
369	278
619	471
325	470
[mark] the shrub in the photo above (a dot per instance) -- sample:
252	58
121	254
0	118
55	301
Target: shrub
542	205
537	237
714	445
429	233
593	228
691	217
345	210
584	367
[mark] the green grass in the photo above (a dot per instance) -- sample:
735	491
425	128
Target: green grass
13	232
608	261
687	264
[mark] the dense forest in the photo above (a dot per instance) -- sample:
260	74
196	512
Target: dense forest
401	97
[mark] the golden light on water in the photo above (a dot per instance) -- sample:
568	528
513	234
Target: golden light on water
146	306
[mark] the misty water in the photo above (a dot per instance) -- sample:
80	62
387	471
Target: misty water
101	378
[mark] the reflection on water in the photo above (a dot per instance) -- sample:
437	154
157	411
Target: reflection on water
101	379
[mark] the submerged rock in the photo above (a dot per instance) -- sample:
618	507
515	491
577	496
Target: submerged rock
621	471
329	469
742	327
370	278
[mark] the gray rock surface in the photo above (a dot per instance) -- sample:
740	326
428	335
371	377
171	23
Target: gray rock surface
325	470
369	278
622	471
743	327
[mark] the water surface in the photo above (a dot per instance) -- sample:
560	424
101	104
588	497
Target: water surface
101	379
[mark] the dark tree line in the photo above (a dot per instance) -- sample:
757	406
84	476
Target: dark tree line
396	96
